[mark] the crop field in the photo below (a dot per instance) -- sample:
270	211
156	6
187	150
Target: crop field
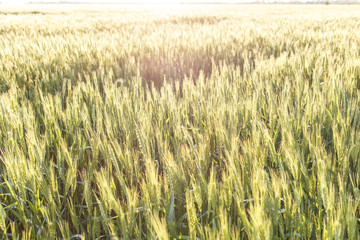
180	122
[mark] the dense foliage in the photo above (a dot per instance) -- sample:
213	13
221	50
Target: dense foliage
210	122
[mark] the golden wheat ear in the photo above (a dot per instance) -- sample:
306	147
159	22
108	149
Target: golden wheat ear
119	82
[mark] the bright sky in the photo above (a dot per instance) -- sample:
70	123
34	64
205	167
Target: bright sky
127	1
19	2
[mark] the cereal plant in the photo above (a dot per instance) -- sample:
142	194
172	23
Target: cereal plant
185	122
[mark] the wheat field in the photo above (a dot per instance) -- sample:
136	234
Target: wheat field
180	122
